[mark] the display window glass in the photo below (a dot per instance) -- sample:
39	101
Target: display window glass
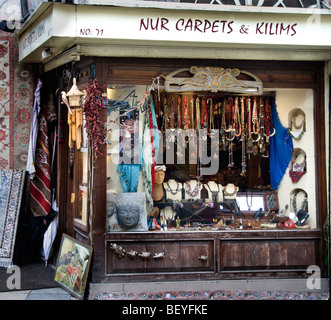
203	159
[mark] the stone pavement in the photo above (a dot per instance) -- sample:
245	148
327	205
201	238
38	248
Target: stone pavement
56	293
253	289
268	289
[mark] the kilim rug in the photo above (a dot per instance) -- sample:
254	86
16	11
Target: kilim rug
11	188
16	102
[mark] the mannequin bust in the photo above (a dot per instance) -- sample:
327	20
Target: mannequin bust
158	190
173	190
230	191
214	189
193	189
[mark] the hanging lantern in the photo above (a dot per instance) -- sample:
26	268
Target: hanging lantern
74	95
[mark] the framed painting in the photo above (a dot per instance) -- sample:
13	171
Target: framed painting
271	201
72	266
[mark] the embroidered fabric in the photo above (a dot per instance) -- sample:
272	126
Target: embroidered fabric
297	170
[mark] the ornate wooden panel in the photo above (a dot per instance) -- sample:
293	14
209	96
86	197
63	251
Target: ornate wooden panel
179	256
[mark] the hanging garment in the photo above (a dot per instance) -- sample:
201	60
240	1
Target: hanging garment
150	149
30	167
129	176
281	150
40	185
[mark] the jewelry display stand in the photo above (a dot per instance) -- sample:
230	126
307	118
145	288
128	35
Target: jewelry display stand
215	191
173	190
230	191
297	125
193	190
299	200
298	165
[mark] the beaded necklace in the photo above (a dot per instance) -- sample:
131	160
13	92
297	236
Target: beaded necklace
237	125
303	204
195	191
186	120
255	118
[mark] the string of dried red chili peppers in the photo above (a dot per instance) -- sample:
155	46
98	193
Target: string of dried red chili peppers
94	125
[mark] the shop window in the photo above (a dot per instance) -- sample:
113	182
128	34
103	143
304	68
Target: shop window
229	188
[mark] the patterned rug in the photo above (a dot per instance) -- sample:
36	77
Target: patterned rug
16	102
210	295
11	188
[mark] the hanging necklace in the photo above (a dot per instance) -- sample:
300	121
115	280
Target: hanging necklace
223	125
192	112
165	115
204	120
172	114
195	191
243	139
186	120
230	115
268	122
214	193
249	205
171	190
303	204
197	110
299	166
211	115
179	116
261	117
255	118
250	148
237	125
295	118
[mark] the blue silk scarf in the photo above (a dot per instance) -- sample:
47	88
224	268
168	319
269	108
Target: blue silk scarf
281	150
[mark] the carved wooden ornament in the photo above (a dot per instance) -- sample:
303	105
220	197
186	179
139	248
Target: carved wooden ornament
213	79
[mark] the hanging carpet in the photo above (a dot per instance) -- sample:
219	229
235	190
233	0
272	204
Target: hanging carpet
11	188
40	185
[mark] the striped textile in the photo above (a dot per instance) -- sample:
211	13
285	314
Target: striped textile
34	131
40	185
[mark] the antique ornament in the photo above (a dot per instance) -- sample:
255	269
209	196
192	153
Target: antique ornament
212	79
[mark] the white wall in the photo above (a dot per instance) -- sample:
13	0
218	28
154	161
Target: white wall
287	100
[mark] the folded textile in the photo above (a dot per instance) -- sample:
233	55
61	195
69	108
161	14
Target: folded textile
11	189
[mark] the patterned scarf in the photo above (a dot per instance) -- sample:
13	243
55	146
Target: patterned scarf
150	149
40	186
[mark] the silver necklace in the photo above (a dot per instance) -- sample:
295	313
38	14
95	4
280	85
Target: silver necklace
172	191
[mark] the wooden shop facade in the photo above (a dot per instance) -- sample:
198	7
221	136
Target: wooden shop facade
214	158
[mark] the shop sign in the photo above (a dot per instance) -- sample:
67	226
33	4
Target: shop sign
35	36
185	27
146	26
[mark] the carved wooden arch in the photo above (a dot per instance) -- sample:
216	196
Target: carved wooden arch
213	79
